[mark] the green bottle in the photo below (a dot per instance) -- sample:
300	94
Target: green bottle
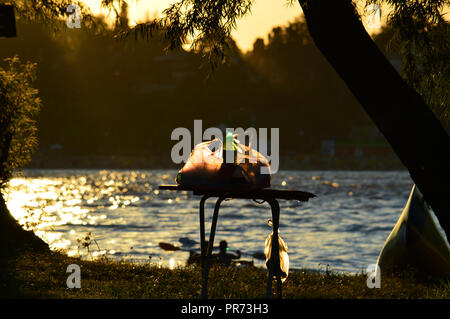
229	147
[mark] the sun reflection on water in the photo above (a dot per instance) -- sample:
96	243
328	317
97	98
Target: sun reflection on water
52	207
40	204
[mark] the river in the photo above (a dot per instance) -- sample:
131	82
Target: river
342	229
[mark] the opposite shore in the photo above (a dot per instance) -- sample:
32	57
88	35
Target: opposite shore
287	162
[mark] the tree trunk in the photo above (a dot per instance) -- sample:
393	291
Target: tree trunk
399	112
12	236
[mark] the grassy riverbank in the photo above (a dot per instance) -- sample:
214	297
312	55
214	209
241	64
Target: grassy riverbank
43	275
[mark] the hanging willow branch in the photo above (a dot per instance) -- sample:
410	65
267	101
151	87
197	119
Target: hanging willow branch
421	37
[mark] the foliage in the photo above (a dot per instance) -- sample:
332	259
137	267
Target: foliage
19	100
287	72
19	104
204	24
52	13
208	24
419	29
421	36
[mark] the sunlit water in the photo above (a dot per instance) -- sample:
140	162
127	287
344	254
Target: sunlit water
343	228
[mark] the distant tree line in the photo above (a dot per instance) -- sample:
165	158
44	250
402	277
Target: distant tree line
103	96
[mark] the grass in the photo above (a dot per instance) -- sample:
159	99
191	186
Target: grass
43	275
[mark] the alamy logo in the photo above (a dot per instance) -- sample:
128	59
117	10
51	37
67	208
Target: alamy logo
74	279
373	276
74	18
258	140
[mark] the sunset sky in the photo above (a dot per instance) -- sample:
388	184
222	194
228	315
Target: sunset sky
265	15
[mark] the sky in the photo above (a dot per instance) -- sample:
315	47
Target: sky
265	15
